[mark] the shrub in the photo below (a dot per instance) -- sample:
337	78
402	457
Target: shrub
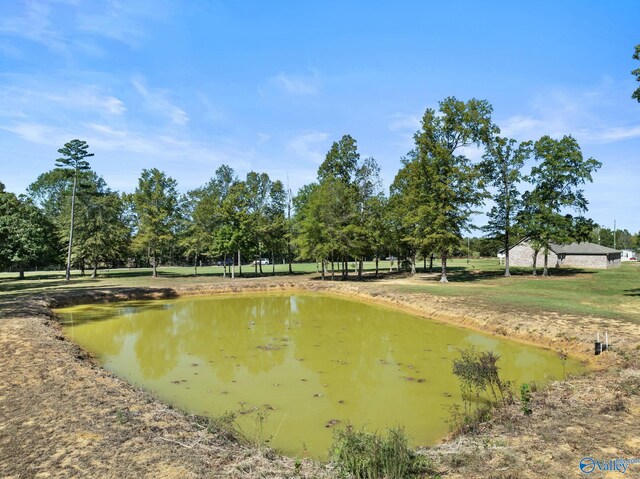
478	374
482	389
364	455
525	399
226	427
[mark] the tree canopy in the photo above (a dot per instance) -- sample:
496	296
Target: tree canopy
636	73
438	187
557	178
502	170
338	220
157	208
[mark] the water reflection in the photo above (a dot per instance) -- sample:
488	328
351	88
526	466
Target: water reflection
306	360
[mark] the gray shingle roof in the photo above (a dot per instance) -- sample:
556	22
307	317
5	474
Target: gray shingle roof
581	248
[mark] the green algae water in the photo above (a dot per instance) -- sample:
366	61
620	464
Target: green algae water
293	366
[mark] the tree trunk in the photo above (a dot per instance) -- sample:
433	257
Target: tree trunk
82	267
360	269
431	263
424	263
195	265
255	268
273	264
413	264
443	278
545	271
535	261
322	269
155	265
233	266
239	264
95	269
507	273
377	261
332	267
73	209
21	273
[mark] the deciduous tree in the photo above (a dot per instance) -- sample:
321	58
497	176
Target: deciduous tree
502	169
27	238
157	208
440	185
556	181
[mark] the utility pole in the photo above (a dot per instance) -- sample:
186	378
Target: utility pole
614	234
468	249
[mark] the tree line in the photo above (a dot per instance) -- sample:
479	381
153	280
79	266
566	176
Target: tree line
342	218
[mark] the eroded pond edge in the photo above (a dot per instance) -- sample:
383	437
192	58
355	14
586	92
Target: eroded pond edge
607	369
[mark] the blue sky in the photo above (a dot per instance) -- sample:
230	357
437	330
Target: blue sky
186	86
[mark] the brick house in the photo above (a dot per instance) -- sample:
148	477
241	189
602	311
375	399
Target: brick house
575	255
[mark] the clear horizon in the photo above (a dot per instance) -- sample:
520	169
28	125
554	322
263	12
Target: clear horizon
186	87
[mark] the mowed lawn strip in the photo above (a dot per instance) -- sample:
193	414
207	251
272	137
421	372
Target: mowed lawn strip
613	293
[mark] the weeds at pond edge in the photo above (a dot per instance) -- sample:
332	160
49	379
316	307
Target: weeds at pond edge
525	399
226	427
359	454
482	390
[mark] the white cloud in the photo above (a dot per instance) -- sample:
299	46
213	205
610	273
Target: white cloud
619	133
592	115
305	146
69	28
89	99
474	153
157	101
39	133
35	25
519	125
119	21
308	84
402	121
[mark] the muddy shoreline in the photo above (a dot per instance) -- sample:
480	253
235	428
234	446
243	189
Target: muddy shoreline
61	415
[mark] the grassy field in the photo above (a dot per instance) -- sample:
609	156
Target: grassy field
613	293
605	293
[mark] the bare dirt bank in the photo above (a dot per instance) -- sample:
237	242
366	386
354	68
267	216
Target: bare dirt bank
61	415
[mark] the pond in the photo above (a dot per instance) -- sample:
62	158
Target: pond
295	365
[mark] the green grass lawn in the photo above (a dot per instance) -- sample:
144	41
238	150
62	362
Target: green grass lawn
611	293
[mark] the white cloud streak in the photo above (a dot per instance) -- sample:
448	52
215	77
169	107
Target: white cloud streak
67	29
308	84
588	114
156	100
404	122
305	146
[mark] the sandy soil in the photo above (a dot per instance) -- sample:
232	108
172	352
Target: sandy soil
61	415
